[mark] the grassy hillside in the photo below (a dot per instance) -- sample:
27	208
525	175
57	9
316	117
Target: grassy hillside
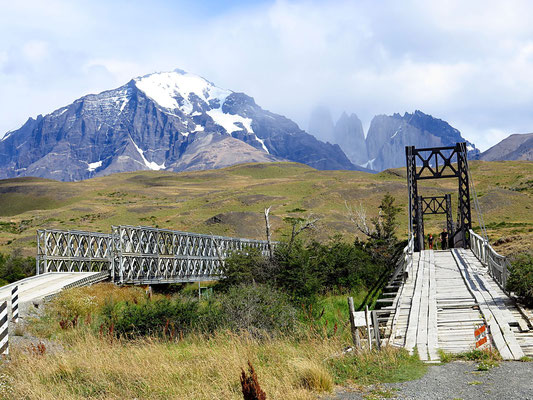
230	201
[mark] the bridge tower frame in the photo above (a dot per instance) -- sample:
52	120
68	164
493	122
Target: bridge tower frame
437	205
439	163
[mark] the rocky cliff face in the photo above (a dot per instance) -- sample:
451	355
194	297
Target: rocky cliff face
384	146
349	135
388	136
514	147
172	121
347	132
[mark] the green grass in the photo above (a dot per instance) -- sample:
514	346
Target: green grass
486	359
386	366
336	312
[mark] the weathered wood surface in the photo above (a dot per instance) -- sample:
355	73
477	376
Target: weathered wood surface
447	295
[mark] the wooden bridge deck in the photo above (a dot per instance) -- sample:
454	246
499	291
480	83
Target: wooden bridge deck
447	295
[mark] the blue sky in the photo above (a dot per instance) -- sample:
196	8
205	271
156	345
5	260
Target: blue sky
470	63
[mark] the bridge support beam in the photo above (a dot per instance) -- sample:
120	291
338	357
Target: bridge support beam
438	163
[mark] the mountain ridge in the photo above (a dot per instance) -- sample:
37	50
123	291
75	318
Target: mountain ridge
513	147
149	123
384	144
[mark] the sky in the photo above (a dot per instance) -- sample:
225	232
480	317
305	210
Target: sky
469	63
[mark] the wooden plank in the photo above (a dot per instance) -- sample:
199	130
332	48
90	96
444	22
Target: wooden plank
432	311
497	336
412	324
501	314
422	334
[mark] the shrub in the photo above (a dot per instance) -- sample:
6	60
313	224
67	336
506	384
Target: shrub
15	267
157	317
257	309
246	267
520	280
304	271
84	301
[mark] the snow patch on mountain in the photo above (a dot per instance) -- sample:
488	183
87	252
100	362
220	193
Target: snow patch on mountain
229	121
150	164
93	166
369	164
262	143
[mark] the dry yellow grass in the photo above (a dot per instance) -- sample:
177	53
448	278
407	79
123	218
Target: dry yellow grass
86	300
195	368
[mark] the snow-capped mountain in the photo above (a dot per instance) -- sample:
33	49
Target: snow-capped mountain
164	121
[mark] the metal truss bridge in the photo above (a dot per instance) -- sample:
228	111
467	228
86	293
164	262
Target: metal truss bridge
139	255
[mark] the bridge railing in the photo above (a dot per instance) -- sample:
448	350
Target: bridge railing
404	265
72	251
406	261
152	255
497	265
139	254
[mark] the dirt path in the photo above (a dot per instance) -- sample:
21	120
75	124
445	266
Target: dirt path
458	380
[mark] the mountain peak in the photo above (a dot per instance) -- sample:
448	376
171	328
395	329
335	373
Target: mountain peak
172	90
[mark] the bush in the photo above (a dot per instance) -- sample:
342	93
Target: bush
305	271
257	309
157	317
15	267
520	280
85	301
246	267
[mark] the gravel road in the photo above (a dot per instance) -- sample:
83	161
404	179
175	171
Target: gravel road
458	380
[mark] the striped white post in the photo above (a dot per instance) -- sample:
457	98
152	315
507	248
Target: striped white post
15	304
4	324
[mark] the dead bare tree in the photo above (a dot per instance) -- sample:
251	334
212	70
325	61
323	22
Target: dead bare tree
358	217
268	234
300	225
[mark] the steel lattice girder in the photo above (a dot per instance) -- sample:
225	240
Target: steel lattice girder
139	254
434	204
438	162
145	254
72	251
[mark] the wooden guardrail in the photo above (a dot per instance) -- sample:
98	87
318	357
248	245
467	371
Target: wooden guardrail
497	265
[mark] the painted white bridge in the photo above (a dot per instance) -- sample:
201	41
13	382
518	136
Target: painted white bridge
39	287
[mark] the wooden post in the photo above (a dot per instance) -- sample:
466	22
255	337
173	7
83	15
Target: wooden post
375	323
367	318
355	332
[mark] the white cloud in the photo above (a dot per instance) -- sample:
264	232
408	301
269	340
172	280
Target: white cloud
469	63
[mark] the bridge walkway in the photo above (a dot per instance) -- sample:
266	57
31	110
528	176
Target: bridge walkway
447	295
39	287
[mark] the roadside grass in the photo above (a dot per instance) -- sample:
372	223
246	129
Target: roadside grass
197	367
334	313
96	364
486	358
387	365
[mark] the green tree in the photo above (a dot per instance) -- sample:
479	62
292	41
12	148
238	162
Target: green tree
15	267
385	223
